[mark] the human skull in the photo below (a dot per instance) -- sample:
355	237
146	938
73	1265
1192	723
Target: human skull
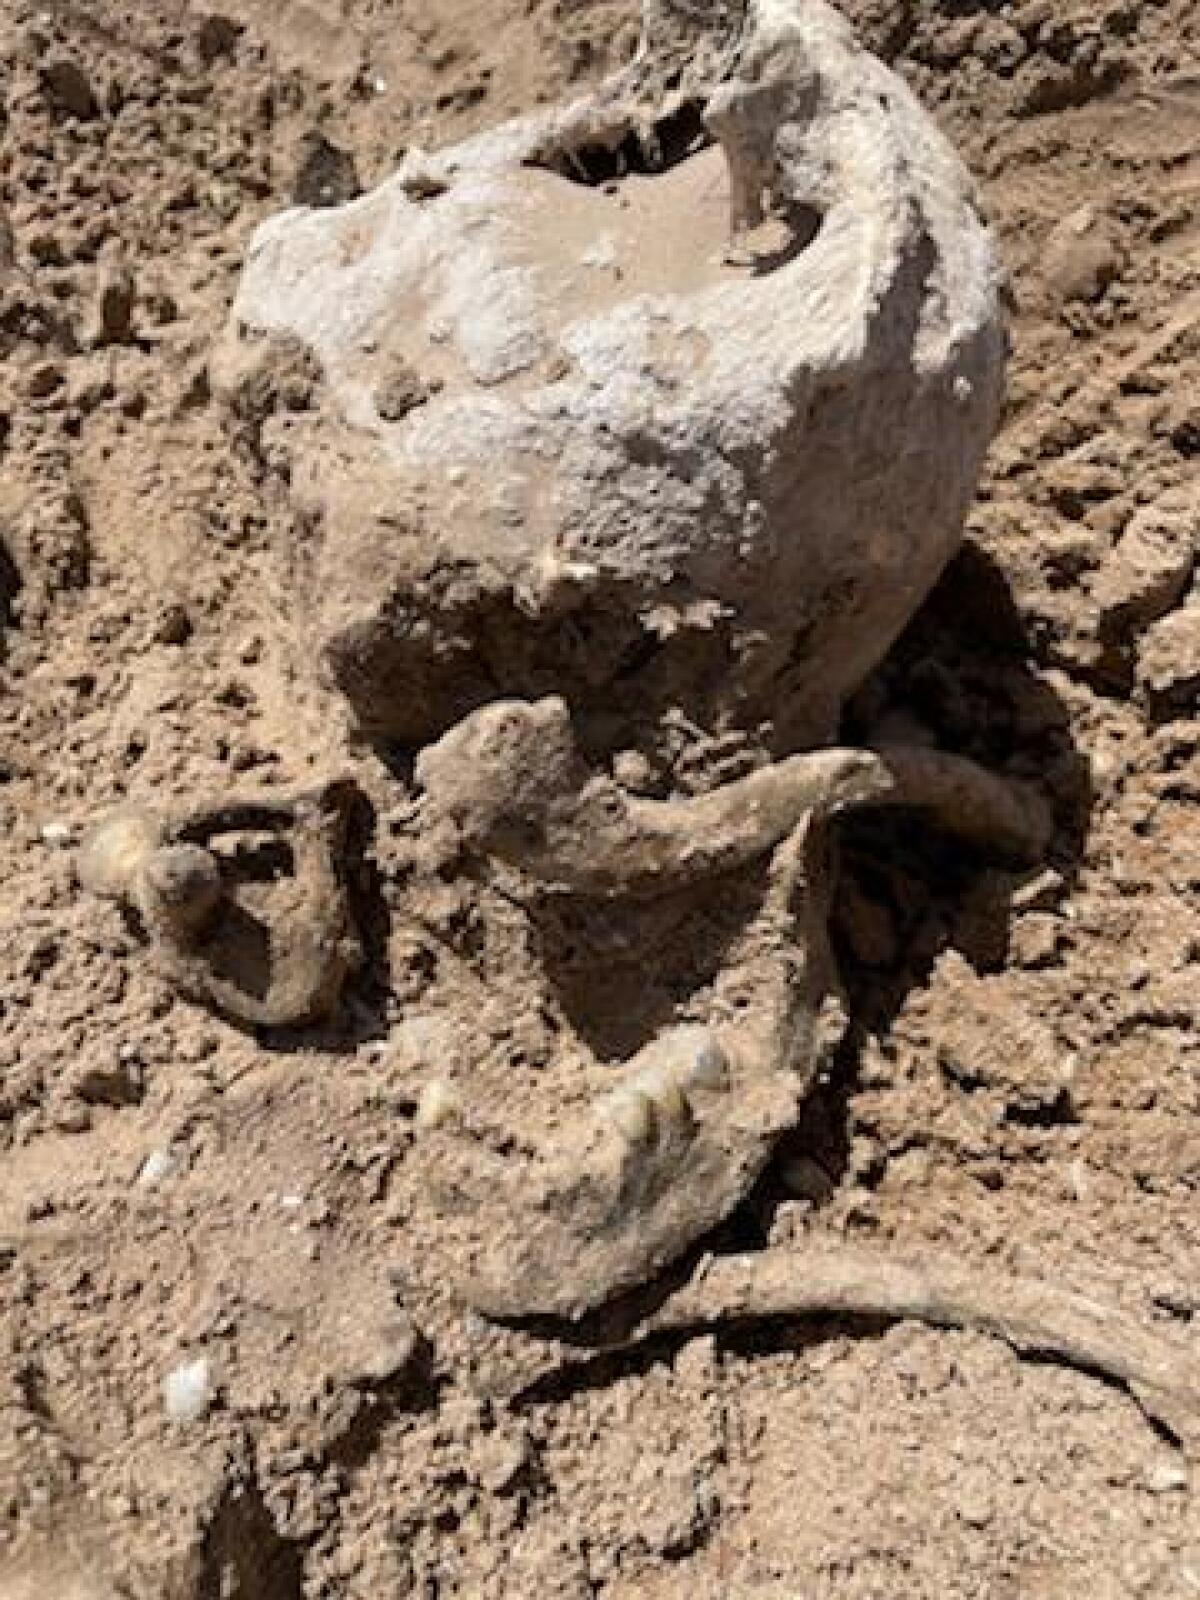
671	400
658	412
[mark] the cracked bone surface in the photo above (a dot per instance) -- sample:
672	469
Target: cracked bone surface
570	434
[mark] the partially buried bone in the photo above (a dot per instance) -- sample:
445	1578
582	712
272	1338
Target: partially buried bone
208	943
1037	1318
674	1147
643	464
512	778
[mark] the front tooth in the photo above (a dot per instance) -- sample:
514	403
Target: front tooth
632	1112
438	1103
708	1067
671	1102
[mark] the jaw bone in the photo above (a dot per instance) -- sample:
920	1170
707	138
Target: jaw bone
672	1149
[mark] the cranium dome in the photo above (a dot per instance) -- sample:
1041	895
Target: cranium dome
672	398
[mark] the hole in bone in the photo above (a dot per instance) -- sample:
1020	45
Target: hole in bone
664	231
262	894
409	684
663	145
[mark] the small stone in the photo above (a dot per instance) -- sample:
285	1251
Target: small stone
1082	257
174	626
326	175
158	1166
1167	1477
378	1350
439	1103
44	380
187	1390
56	833
1149	570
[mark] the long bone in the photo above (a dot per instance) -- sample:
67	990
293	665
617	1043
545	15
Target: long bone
1035	1318
693	1120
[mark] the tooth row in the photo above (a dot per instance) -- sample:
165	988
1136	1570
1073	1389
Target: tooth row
653	1102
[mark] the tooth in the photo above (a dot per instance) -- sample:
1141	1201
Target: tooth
671	1102
632	1113
438	1103
709	1065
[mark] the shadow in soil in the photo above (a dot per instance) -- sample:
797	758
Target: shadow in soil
964	678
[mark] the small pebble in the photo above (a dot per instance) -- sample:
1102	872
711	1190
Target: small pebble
187	1390
158	1165
56	833
1167	1477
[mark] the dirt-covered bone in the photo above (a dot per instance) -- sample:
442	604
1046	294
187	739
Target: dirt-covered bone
695	1115
1037	1318
569	441
281	965
515	782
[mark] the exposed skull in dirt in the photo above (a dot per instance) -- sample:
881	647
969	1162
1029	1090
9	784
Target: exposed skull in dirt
620	432
577	438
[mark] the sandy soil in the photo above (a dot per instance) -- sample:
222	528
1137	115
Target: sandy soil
1025	1082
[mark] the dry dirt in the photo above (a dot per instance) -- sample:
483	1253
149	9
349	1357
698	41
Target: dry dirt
1025	1080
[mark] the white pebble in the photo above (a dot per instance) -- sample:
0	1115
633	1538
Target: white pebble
632	1113
602	254
56	833
187	1390
1167	1477
159	1164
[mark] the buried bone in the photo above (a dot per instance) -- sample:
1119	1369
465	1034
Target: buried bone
835	1279
673	1148
209	945
655	471
514	781
735	480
